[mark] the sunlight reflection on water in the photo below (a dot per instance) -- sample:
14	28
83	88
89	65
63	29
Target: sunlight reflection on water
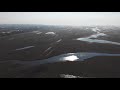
70	58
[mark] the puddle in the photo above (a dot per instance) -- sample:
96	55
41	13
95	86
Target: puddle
93	38
52	33
37	32
97	41
24	48
81	56
59	40
69	76
72	57
6	32
96	29
97	35
72	76
47	49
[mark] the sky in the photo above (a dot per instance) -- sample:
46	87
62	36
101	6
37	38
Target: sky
61	18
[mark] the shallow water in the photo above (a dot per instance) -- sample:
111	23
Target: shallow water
93	38
96	29
72	76
37	32
73	57
81	56
97	41
97	35
52	33
24	48
69	76
59	40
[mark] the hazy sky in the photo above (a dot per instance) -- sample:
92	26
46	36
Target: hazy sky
61	18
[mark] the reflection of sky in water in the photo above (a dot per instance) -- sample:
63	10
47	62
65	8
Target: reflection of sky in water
68	76
81	56
25	48
52	33
93	38
72	76
70	58
97	41
59	40
96	29
37	32
97	35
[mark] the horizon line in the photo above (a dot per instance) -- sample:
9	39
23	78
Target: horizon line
57	24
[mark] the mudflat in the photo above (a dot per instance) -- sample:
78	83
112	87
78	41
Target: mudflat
24	48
